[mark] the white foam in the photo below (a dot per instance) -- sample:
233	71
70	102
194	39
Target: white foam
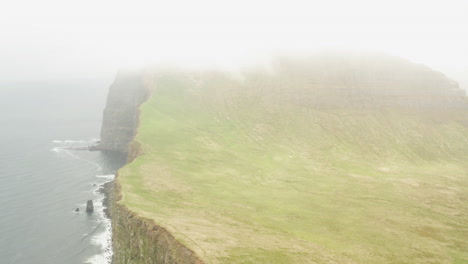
104	239
100	259
56	149
108	177
68	141
71	154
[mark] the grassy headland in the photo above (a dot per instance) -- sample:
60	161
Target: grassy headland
279	168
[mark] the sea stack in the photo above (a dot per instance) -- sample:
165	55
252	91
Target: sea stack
89	206
120	116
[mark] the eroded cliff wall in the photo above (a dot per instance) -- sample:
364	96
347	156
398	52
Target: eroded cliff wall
120	116
135	239
138	240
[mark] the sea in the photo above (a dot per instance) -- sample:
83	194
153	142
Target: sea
43	181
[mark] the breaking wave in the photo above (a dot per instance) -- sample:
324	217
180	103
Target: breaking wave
103	236
103	239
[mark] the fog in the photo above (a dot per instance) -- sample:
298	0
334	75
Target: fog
60	40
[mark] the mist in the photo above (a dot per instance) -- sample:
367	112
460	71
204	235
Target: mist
245	131
57	40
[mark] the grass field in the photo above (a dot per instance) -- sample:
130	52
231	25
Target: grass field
241	177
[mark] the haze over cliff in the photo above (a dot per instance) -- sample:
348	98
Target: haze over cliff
56	40
331	158
317	80
256	131
120	117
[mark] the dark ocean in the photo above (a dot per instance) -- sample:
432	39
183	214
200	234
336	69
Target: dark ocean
42	183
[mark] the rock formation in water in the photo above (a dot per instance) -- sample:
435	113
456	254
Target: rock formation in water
121	112
89	206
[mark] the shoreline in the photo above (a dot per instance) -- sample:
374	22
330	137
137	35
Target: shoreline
107	191
100	236
134	239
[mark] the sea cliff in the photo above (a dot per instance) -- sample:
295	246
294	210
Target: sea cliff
135	239
323	160
120	115
139	240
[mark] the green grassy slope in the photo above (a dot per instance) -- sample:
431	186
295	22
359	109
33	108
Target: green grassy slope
241	174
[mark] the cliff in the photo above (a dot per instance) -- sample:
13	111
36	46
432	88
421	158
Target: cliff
139	240
120	115
331	80
322	160
135	239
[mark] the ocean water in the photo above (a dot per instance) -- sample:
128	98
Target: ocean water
42	182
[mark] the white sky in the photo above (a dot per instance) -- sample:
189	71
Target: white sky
56	39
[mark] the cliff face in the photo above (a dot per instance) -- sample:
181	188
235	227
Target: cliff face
135	239
138	240
363	81
121	112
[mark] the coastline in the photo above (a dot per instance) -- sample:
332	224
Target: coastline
101	234
106	190
139	240
134	239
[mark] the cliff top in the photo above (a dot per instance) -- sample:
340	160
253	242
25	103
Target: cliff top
304	164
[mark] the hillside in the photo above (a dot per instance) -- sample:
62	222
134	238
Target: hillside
329	159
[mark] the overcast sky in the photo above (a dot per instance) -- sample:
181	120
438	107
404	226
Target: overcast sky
60	39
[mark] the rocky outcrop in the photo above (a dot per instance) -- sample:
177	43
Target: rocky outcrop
89	206
120	116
